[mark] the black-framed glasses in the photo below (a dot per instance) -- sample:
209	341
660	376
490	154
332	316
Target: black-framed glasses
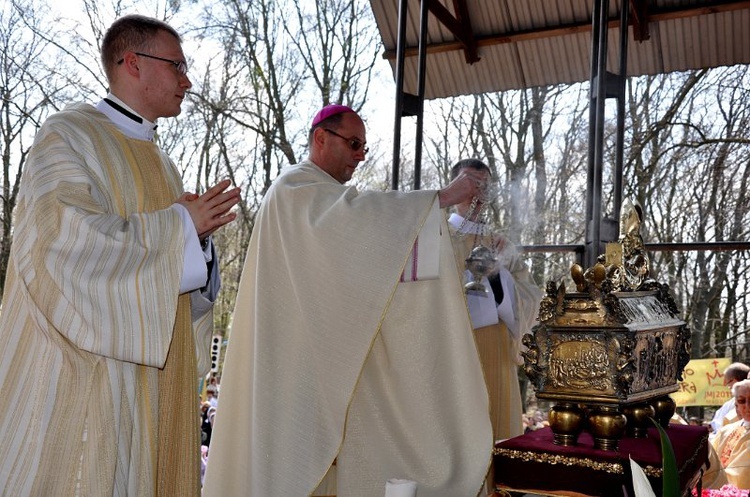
180	65
354	143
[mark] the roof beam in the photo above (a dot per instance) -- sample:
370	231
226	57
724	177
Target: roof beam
460	26
715	7
639	19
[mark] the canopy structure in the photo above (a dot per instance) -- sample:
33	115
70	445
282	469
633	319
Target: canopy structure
442	48
481	46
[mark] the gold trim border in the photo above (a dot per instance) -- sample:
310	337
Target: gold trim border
585	462
545	458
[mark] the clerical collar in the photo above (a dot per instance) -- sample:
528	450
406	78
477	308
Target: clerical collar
124	111
126	119
468	227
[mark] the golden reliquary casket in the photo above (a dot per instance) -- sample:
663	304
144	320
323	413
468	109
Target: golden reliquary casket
610	353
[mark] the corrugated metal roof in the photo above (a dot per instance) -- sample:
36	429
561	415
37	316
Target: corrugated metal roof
526	43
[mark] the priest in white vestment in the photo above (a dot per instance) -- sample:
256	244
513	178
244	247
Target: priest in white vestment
727	413
350	360
107	310
501	314
732	442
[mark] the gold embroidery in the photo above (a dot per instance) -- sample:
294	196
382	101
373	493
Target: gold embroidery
615	468
731	441
652	471
544	457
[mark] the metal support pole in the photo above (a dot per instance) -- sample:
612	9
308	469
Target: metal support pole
596	126
592	134
400	57
601	95
421	78
621	108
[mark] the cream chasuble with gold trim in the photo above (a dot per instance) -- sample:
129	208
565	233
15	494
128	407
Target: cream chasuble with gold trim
100	359
331	356
732	445
498	351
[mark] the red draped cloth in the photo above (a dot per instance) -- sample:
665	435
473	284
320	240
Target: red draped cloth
533	462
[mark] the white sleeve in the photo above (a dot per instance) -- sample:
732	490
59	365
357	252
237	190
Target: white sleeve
481	305
507	311
194	271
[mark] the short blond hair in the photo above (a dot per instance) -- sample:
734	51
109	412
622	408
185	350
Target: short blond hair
132	32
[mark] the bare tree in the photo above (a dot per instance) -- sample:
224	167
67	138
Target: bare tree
262	68
531	140
30	88
687	164
338	46
273	65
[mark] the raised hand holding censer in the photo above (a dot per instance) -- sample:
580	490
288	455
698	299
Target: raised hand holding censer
482	259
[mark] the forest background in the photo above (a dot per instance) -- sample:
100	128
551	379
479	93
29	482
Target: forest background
260	70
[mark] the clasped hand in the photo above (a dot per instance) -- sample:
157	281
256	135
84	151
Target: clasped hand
211	210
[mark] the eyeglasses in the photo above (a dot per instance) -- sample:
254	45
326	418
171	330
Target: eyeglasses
740	400
354	143
180	65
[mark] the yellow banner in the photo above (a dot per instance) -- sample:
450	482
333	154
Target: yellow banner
703	383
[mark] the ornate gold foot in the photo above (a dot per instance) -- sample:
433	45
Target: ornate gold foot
638	417
664	408
566	420
607	426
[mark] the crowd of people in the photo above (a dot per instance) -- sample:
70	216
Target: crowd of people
534	419
209	402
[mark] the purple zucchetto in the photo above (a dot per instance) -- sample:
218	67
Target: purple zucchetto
328	111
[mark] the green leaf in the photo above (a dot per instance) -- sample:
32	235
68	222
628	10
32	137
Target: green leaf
670	477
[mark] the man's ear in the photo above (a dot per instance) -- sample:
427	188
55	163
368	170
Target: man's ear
319	136
130	62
